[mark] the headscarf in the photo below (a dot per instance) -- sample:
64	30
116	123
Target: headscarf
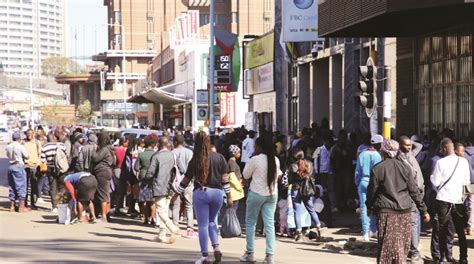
390	148
233	150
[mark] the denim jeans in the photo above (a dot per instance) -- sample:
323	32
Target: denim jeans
415	232
267	205
307	202
368	223
207	203
16	182
43	184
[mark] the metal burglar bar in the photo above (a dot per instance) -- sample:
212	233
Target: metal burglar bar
444	82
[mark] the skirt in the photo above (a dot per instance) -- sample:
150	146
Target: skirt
87	189
394	237
103	185
146	194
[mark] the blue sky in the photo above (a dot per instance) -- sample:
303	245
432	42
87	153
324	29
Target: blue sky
88	19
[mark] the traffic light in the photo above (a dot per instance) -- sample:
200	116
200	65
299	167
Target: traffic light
368	86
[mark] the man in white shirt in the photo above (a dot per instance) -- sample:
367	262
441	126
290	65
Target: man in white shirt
248	148
449	176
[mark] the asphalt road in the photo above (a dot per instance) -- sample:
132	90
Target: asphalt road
36	237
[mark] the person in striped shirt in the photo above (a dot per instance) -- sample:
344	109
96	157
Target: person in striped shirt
48	155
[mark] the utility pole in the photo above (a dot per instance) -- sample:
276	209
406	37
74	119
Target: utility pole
387	103
124	78
212	124
32	122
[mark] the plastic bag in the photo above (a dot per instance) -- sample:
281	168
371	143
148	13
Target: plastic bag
230	224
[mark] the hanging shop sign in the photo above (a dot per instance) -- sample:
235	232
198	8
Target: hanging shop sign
300	20
185	28
202	113
259	80
228	109
222	73
259	51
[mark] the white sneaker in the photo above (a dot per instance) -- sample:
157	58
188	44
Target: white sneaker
366	238
373	234
40	200
202	260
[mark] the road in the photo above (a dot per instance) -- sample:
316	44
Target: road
36	237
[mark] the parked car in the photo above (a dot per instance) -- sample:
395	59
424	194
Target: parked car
5	135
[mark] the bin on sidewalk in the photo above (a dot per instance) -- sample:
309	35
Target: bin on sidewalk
64	213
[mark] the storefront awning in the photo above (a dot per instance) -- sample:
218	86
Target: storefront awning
160	96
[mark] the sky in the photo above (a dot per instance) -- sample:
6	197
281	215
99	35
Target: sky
88	19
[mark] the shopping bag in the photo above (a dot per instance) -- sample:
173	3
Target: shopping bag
230	224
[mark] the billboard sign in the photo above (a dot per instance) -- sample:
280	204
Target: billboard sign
300	20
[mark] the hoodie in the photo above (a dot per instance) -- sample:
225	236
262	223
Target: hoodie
469	155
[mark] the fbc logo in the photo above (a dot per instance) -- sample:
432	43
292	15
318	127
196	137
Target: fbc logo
303	4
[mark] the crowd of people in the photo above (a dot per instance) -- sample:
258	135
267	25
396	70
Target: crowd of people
392	184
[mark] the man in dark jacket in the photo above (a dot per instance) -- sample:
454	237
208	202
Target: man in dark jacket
160	173
85	155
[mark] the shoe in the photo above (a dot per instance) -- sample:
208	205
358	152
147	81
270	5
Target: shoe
93	220
12	206
40	201
372	234
366	238
202	260
191	233
463	261
54	210
217	257
22	208
109	219
247	257
268	259
173	237
415	258
299	237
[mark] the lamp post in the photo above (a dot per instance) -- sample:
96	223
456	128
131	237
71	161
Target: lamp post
212	120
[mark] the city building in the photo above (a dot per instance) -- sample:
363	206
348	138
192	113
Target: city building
434	54
178	75
30	31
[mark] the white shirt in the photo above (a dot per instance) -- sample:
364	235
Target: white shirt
248	148
256	169
452	191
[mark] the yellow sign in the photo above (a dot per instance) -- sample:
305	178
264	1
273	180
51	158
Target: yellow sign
259	51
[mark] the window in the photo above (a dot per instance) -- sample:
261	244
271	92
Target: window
203	19
220	19
118	17
235	18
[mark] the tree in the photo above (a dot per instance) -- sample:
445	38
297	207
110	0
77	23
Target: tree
84	111
54	66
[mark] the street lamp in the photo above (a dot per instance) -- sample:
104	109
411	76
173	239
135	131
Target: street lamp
124	85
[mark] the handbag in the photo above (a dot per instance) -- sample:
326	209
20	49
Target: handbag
43	167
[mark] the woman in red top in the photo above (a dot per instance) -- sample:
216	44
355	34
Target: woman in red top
119	185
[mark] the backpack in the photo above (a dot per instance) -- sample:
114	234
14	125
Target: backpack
61	164
176	176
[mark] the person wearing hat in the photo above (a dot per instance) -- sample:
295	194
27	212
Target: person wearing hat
365	162
391	193
235	176
16	154
76	150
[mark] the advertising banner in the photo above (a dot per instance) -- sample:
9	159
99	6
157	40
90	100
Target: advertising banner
300	20
259	51
228	109
186	27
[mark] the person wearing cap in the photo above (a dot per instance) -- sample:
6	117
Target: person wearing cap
16	154
365	162
85	155
391	193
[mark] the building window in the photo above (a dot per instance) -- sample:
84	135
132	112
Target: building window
235	18
118	17
220	19
203	19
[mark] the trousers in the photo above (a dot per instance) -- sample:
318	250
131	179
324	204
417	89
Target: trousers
16	182
207	203
187	198
162	208
447	213
266	204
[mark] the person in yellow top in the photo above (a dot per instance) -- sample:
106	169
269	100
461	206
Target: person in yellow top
235	176
33	147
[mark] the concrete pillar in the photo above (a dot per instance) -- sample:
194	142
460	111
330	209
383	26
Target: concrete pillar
320	90
336	93
304	115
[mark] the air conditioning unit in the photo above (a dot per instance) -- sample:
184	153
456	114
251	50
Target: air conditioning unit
118	39
295	87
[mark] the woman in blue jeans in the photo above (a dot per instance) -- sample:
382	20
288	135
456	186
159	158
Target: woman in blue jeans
264	169
209	171
303	191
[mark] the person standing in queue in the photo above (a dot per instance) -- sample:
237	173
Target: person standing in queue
209	170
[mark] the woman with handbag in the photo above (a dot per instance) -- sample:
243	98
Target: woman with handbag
303	191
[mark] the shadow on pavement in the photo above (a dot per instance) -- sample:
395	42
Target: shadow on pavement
59	249
120	236
134	230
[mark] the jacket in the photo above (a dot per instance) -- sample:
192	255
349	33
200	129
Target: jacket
295	180
103	160
143	163
392	188
159	172
469	155
85	158
410	160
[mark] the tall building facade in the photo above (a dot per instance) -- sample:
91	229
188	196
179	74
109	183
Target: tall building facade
30	31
